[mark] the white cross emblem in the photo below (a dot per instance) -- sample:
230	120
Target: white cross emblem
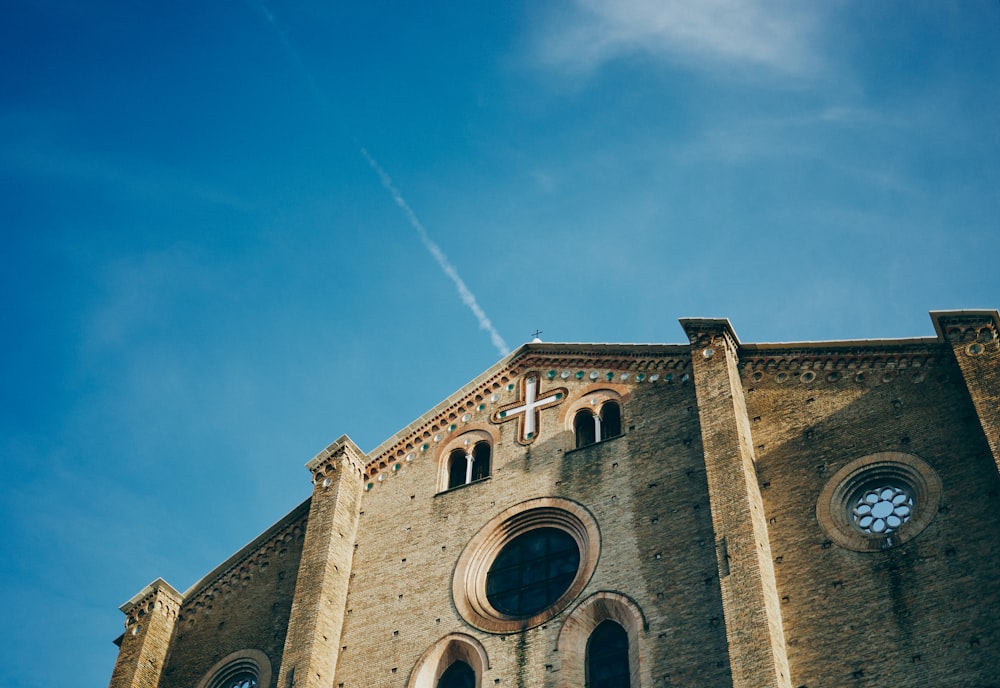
526	412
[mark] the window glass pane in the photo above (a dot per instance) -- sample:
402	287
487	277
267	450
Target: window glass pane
458	675
607	657
532	571
456	468
481	463
583	423
611	420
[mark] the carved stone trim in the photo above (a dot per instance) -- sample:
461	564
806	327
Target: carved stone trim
342	452
239	569
666	361
829	360
966	326
157	597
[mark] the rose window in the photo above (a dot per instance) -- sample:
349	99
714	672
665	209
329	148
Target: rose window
882	510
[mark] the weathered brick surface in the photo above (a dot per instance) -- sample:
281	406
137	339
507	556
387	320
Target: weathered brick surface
314	629
719	470
647	491
244	604
151	616
749	592
923	613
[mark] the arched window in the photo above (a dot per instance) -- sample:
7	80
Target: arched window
458	675
611	420
481	461
455	661
607	657
591	426
600	643
585	427
466	466
457	464
243	669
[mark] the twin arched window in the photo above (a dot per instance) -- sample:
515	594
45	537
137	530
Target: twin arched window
591	427
466	466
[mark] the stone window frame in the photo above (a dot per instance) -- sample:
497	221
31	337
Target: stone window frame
593	400
466	441
576	630
442	654
469	580
233	665
842	490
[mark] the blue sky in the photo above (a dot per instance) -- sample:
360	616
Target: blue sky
205	281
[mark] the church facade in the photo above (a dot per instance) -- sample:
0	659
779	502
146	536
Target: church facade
716	513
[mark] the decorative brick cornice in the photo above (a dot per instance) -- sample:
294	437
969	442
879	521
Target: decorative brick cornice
841	359
239	569
475	402
967	326
343	452
157	597
703	332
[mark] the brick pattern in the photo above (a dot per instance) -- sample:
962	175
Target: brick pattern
707	510
317	614
922	613
242	605
746	574
647	491
975	341
149	625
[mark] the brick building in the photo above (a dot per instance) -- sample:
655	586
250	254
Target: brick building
709	514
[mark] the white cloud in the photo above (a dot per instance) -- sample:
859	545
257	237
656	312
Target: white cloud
775	34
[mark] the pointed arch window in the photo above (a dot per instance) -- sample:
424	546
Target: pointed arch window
591	427
607	657
458	675
465	466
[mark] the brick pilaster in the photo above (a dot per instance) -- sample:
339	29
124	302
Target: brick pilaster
149	626
746	573
974	337
312	644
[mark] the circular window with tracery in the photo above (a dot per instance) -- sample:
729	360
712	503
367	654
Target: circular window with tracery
532	571
879	501
242	669
526	565
882	510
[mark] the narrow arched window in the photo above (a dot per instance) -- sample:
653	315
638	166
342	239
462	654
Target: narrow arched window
457	468
607	657
611	420
481	461
458	675
585	427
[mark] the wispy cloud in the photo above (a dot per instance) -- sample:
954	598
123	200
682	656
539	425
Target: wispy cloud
774	34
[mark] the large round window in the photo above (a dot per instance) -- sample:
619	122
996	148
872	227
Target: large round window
526	565
879	501
532	571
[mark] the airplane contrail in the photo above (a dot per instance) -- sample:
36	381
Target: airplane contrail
468	298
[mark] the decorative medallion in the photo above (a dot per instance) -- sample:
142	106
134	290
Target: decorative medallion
525	410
